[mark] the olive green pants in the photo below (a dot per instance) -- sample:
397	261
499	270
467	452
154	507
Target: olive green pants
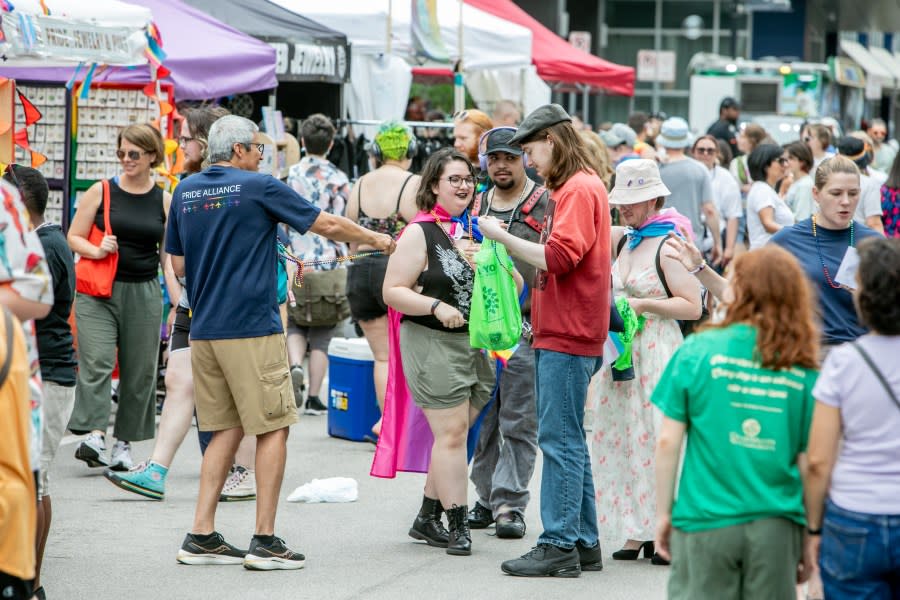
751	561
128	321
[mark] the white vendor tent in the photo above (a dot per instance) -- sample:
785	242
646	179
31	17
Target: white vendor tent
102	31
496	53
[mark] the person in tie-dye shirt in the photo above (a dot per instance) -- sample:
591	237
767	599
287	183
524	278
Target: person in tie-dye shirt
326	186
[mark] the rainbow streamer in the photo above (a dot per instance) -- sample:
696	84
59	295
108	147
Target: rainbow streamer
85	88
154	51
45	9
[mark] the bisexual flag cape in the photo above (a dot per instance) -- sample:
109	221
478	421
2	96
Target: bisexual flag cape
405	441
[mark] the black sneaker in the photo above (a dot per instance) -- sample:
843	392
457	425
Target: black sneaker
314	406
480	517
214	551
591	559
510	525
272	557
544	560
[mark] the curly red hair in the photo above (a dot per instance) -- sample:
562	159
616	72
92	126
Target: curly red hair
772	293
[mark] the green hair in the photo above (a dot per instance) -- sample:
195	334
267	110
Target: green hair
393	139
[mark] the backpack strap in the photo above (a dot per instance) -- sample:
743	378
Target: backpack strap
659	271
10	339
476	204
529	205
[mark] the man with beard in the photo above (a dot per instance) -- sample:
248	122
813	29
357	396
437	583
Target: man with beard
468	128
507	445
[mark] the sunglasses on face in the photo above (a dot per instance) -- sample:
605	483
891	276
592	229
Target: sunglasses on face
456	181
131	154
705	150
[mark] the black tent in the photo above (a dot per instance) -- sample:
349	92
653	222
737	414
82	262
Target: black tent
313	61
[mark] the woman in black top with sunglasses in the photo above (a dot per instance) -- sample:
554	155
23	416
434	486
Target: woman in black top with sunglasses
126	325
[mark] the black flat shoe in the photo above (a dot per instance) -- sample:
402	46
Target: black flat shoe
480	517
624	554
659	560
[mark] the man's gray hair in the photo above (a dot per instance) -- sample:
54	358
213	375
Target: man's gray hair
225	133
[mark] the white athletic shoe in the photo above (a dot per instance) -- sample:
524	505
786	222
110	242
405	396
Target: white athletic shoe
93	451
121	457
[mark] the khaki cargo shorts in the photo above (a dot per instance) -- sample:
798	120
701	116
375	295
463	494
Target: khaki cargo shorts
442	370
243	383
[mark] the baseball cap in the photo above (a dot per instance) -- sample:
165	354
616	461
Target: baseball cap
611	139
499	141
623	131
729	102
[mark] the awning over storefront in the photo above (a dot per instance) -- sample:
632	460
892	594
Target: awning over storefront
557	60
871	65
306	50
206	58
888	60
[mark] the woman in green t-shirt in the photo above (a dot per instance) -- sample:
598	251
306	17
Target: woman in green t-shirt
742	392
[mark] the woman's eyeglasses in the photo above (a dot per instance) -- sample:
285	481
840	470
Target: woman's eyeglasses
456	181
131	154
705	150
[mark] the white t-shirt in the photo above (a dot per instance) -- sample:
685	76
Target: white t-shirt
799	198
763	196
726	194
869	199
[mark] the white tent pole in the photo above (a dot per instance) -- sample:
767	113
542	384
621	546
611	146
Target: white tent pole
388	42
459	89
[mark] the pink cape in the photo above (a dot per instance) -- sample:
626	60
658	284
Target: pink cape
405	441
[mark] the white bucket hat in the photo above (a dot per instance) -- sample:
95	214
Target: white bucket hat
637	180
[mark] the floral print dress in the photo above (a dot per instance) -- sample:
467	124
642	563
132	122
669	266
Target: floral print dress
626	423
325	186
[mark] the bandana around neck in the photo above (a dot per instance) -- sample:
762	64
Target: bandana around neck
659	225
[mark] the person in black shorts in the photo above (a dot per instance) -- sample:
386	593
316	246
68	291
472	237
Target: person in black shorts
383	200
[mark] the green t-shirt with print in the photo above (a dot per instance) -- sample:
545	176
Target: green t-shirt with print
745	426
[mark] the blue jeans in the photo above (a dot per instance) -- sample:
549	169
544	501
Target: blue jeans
860	555
568	506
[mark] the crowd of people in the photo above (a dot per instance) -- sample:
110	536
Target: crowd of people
680	295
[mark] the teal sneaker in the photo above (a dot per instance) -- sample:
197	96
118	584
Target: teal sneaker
147	479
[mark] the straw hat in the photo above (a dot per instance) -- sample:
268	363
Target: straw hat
637	180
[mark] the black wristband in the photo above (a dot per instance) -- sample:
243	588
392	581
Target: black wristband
814	531
434	306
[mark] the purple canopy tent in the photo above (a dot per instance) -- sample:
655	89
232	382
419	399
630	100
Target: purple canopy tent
207	58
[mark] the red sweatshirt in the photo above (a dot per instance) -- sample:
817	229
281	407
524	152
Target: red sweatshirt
570	309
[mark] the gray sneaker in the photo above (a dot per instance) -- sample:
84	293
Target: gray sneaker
299	384
93	451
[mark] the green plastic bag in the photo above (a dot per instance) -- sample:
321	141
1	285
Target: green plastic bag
495	320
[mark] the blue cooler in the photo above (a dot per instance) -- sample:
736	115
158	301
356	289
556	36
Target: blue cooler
352	407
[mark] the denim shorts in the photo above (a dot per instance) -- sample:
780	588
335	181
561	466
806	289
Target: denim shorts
858	557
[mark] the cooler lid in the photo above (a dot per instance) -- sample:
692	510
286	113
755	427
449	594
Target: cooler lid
350	348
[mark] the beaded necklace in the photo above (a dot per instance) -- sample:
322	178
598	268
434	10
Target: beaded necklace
822	258
440	225
298	275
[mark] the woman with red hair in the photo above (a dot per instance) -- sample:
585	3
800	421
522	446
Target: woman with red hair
742	391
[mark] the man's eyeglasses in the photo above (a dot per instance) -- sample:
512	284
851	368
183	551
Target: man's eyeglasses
705	150
131	154
260	147
183	141
456	181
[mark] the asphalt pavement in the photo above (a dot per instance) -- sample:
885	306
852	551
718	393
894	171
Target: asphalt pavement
106	543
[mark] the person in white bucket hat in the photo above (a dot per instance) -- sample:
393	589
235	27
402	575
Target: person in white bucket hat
692	187
660	291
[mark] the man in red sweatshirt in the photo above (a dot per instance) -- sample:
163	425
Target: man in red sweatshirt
570	313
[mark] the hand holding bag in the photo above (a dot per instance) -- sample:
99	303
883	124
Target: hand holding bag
495	320
95	276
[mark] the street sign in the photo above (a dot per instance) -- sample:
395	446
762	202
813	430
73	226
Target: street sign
581	40
656	65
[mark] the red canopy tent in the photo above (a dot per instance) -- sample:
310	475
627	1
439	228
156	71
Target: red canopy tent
556	59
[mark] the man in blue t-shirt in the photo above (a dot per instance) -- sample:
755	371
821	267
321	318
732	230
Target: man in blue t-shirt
221	235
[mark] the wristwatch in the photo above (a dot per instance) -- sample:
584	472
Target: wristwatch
434	306
814	531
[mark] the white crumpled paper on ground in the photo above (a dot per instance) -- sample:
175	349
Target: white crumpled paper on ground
333	489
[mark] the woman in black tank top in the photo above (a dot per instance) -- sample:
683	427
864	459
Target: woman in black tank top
429	279
389	190
125	326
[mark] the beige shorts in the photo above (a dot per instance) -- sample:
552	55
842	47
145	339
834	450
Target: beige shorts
58	401
442	370
243	383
